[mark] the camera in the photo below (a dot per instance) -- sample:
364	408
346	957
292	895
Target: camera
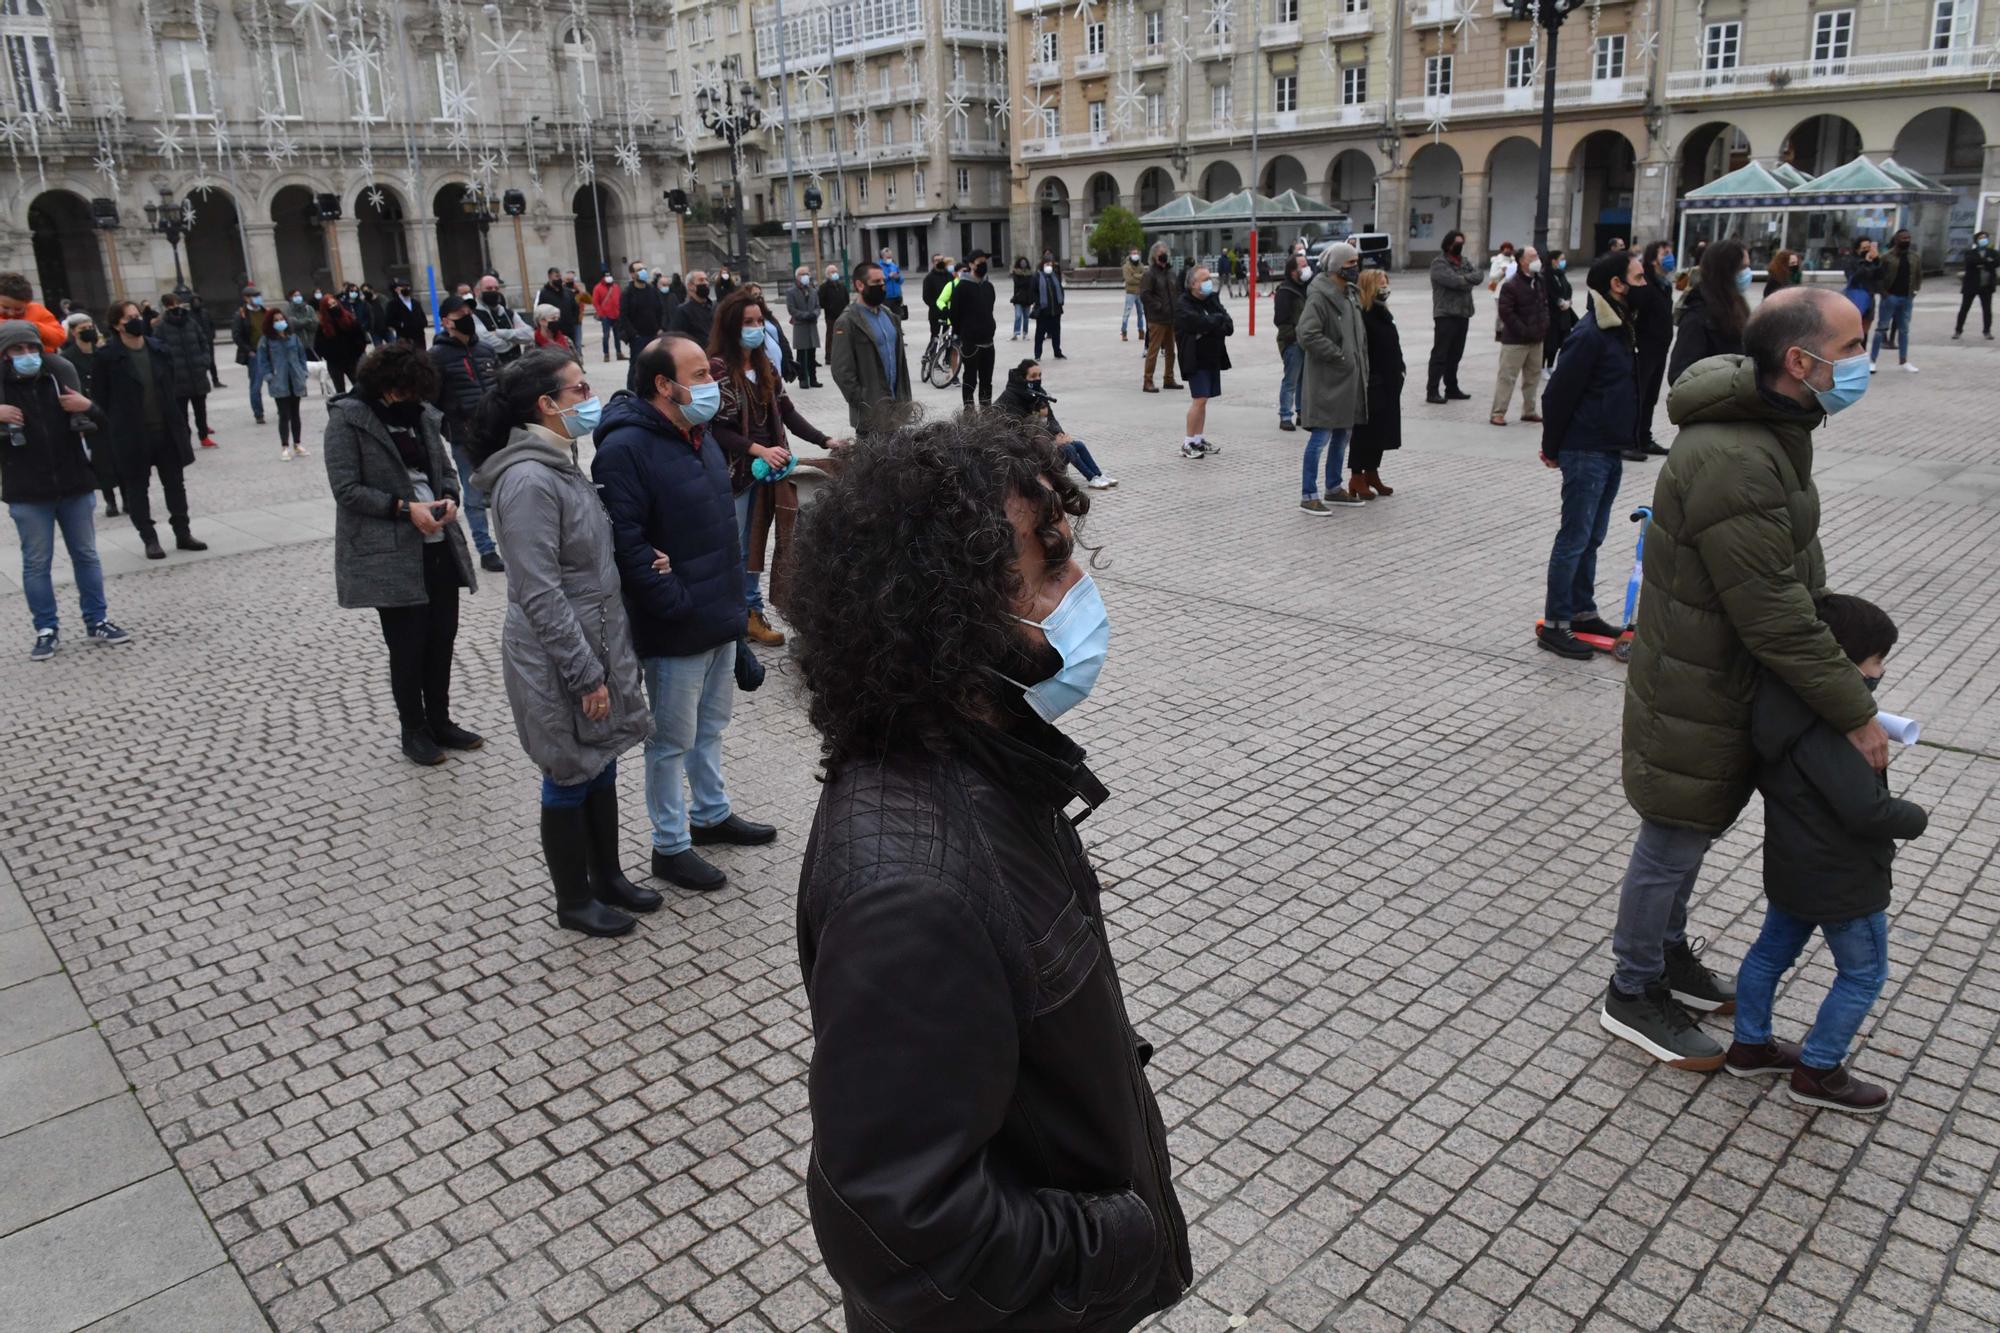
439	510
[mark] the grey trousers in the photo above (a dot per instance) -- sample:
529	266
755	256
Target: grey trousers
1653	902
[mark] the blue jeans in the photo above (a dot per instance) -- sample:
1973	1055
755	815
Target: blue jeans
753	591
1653	902
1894	312
1316	442
611	338
1288	387
1590	488
1860	950
256	390
1132	306
1020	320
1077	455
560	796
475	502
37	522
691	697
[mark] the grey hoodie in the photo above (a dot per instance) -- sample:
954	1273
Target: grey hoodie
566	631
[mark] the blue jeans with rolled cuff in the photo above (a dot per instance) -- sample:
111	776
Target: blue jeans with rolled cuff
37	522
1334	444
1860	949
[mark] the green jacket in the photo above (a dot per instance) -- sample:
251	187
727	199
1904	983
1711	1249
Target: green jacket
1732	564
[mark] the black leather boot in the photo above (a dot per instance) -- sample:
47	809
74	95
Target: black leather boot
607	881
565	843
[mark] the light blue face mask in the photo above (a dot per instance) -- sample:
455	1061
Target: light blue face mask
642	275
1079	629
1742	279
28	366
753	335
1850	381
582	419
707	402
1208	286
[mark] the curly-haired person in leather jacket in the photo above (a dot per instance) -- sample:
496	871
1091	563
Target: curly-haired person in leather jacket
986	1151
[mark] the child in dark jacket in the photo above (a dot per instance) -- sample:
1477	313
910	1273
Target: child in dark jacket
1830	831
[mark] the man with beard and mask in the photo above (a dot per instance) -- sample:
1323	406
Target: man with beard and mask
1733	570
986	1150
695	317
1159	294
1902	278
1452	281
404	317
192	351
466	369
865	355
972	319
499	327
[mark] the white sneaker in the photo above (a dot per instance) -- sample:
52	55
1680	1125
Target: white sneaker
286	453
1910	368
1873	368
1099	483
1189	449
1111	481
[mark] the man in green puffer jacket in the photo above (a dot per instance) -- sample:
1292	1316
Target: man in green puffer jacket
1732	564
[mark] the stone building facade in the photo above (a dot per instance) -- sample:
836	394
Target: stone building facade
1423	116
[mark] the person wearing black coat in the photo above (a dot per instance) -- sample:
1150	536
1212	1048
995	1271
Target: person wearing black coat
1713	312
199	313
562	296
1048	290
1653	318
1831	828
1982	273
1383	430
194	352
47	482
833	298
972	320
694	317
136	380
1562	307
1023	299
1201	329
1288	299
466	368
640	316
1589	414
404	317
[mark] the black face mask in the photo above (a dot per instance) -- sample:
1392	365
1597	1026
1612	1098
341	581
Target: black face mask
701	291
87	336
979	270
177	314
1453	247
875	295
490	298
1871	682
134	327
1160	261
463	324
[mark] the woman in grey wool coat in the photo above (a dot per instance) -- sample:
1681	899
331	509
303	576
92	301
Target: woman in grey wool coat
397	545
566	647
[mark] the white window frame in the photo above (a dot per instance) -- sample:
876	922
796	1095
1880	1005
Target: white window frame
708	25
1155	27
1354	6
1520	71
887	127
1051	122
964	182
861	188
1284	11
1353	85
918	178
1437	76
576	54
183	63
1722	46
442	63
1051	48
284	72
1156	110
1221	102
1607	57
1832	37
735	23
673	83
1284	93
1093	38
1953	23
1095	118
30	44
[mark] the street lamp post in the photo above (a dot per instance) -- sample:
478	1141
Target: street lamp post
480	215
1550	14
730	117
170	220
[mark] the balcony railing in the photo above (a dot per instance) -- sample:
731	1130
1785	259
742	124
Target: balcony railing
1276	36
1852	71
1512	101
1088	65
1044	71
894	94
1362	116
1147	57
1358	24
1432	13
1212	44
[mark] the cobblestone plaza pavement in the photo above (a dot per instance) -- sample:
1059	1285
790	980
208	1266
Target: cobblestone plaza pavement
1361	861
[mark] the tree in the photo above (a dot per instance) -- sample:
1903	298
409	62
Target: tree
1116	232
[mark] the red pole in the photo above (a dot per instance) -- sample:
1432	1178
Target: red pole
1253	282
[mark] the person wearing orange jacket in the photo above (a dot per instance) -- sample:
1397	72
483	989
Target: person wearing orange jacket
17	301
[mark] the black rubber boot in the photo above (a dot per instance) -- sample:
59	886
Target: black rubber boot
565	843
607	881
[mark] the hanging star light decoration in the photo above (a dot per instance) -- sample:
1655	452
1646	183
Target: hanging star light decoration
167	143
1437	127
458	101
106	166
313	11
500	49
281	150
15	132
457	138
1128	103
813	84
485	167
957	108
375	199
1468	21
1081	10
1220	12
1003	107
626	151
929	129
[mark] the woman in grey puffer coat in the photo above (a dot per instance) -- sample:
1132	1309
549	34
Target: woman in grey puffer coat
566	648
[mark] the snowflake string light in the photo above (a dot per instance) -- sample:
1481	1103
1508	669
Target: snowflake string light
313	11
1128	104
501	50
106	166
281	150
1220	12
1082	9
458	101
167	144
586	170
1003	107
627	153
15	132
357	61
813	82
485	167
957	109
1437	127
375	199
457	138
1468	21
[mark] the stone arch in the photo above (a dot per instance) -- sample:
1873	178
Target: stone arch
69	261
1100	192
461	236
1155	188
1709	152
1350	184
300	240
381	232
217	266
1436	189
1220	179
1603	172
1943	142
1283	172
1818	144
1513	177
1052	216
600	214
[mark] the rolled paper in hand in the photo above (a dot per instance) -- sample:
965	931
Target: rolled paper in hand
1904	729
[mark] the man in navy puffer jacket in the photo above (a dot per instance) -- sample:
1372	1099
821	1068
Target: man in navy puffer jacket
665	483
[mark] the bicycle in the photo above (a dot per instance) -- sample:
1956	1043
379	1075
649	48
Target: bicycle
938	368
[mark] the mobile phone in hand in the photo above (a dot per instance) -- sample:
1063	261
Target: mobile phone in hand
439	510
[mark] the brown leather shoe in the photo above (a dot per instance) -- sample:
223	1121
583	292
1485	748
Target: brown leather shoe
1773	1059
1375	480
760	631
1357	484
1834	1090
